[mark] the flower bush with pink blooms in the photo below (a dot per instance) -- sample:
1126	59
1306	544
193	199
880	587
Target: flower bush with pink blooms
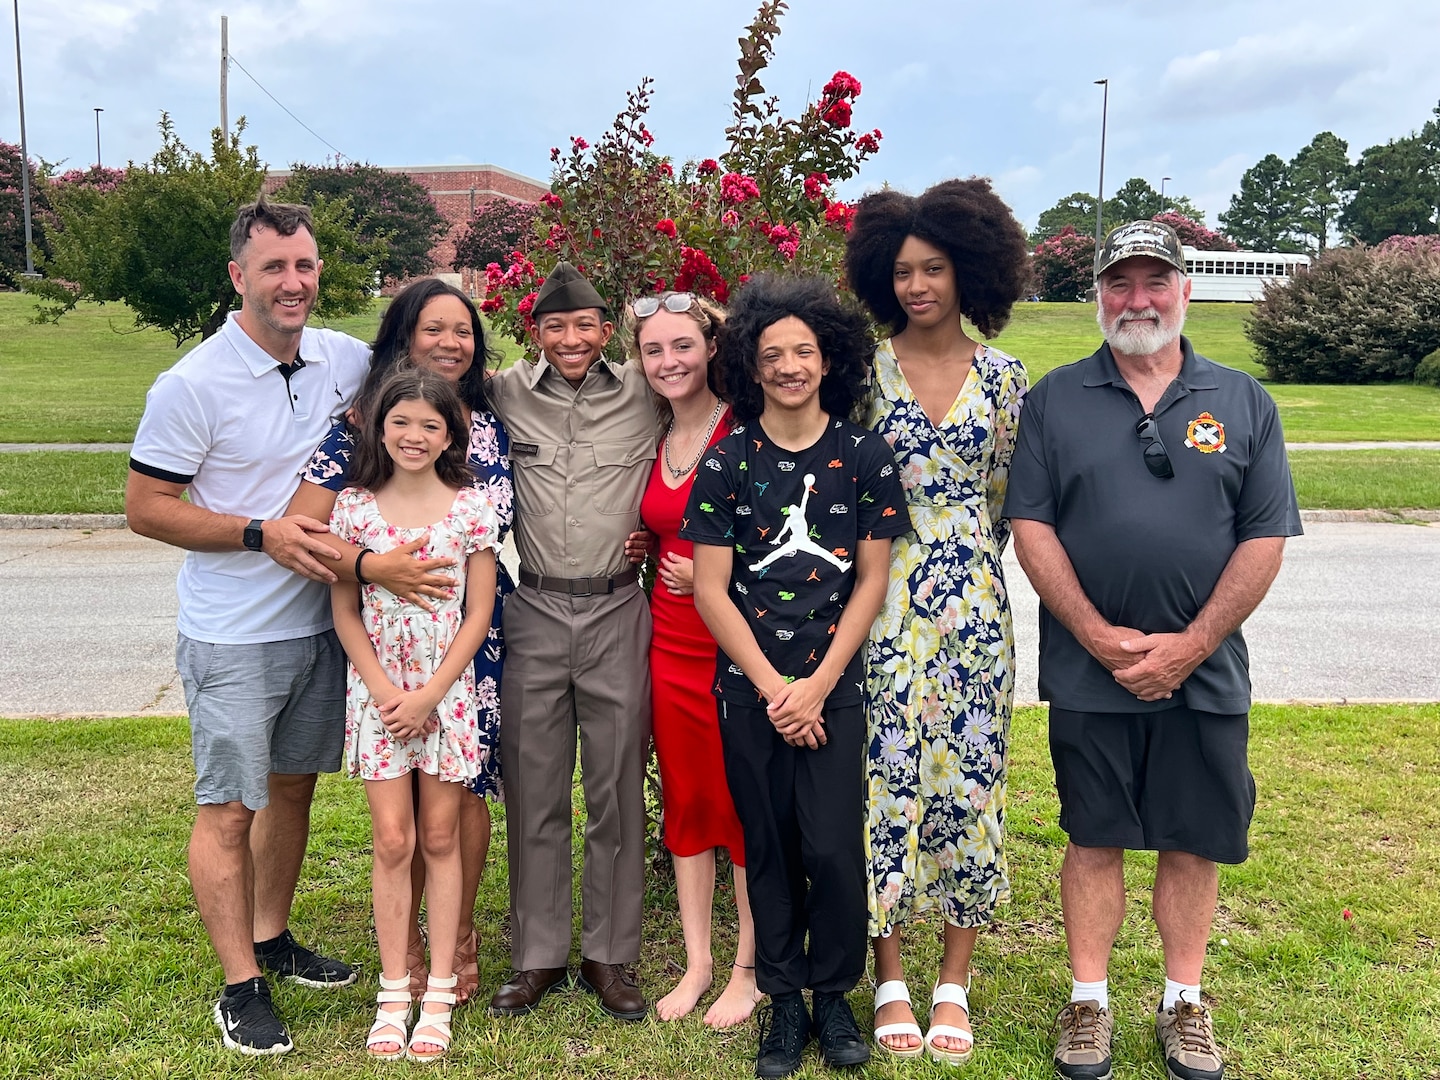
634	222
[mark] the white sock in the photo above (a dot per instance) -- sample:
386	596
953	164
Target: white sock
1091	991
1174	991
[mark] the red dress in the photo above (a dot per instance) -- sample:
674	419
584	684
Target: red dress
699	813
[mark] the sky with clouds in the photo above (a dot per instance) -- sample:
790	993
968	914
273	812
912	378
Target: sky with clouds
1198	92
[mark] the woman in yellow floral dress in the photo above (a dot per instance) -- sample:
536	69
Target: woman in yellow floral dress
941	657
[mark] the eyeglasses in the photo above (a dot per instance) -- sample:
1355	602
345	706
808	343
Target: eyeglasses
677	303
1147	430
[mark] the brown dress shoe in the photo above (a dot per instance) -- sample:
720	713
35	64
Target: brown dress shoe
525	989
617	988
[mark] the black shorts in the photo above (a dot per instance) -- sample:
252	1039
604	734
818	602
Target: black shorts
1176	780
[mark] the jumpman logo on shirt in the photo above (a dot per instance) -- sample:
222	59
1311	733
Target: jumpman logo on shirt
794	536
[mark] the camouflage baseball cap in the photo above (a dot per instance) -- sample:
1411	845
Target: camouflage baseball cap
1151	238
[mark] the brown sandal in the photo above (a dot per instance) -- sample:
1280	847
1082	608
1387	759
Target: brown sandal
415	957
467	967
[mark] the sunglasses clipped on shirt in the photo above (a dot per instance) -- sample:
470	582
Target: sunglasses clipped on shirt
677	303
1147	430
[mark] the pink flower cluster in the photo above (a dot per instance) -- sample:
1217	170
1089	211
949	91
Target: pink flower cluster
870	143
815	185
842	85
699	275
708	167
839	215
666	226
735	188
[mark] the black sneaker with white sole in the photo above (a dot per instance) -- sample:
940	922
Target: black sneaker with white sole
287	958
248	1023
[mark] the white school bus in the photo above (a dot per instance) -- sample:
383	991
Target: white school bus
1238	275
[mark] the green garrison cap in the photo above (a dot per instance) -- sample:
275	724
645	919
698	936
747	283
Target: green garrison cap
567	290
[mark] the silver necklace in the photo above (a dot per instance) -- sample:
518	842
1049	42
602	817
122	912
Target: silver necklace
680	474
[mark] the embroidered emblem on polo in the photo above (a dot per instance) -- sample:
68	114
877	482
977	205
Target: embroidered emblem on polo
1206	434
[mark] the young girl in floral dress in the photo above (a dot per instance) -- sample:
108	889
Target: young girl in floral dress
410	690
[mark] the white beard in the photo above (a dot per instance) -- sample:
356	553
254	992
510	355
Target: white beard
1140	334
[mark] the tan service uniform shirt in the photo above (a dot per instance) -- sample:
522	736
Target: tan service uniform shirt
581	459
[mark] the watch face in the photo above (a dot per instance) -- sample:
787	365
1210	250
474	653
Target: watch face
254	536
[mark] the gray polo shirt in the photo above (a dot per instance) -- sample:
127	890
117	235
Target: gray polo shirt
1148	551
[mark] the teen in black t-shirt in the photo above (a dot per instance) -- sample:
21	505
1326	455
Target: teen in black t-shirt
791	516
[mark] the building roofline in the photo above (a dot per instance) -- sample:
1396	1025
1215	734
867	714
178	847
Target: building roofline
441	169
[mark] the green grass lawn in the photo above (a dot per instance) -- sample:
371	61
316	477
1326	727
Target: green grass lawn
82	482
107	973
84	379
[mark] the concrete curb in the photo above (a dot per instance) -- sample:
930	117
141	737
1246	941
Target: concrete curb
86	522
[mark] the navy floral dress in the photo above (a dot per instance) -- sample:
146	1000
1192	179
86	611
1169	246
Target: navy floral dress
489	458
941	658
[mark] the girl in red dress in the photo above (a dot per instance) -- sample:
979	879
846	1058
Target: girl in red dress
674	336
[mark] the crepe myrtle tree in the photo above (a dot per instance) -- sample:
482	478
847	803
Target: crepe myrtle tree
635	223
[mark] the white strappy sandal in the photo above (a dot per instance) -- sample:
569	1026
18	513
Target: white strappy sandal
885	993
390	1026
954	994
435	1025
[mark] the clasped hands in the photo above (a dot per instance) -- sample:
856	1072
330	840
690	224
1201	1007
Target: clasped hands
1150	666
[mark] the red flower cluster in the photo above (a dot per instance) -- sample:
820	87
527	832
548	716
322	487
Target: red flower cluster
708	167
735	188
554	153
552	200
842	85
666	226
579	143
664	169
699	275
839	215
730	218
525	306
645	135
815	185
869	144
837	113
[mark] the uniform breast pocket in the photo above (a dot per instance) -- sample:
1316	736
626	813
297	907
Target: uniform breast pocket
621	472
536	479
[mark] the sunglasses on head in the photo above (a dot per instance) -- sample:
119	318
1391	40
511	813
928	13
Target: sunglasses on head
1147	430
677	303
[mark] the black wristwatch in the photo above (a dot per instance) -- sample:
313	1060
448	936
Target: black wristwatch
255	535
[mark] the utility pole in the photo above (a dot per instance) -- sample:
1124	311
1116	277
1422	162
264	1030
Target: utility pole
98	111
24	150
1163	181
225	76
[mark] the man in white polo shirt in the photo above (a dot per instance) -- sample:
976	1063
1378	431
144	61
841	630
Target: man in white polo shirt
232	425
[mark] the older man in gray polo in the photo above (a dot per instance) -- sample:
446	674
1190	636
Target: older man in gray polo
1150	499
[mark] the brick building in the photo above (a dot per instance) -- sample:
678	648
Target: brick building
456	190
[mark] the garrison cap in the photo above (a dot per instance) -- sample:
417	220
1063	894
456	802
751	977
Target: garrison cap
566	289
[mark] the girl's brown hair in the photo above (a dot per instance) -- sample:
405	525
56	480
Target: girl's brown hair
372	467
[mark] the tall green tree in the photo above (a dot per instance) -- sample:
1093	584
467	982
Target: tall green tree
1135	201
383	206
159	242
1076	210
1319	177
1393	192
1262	214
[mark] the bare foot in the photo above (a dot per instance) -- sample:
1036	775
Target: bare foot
737	1002
897	1012
686	995
949	1013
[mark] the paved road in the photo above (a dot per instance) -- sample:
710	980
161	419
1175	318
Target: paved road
1355	614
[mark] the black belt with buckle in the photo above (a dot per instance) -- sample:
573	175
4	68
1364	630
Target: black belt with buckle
579	586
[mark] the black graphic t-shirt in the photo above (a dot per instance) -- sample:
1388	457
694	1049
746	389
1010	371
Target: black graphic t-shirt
795	520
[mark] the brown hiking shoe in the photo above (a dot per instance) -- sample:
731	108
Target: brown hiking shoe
1083	1049
1188	1042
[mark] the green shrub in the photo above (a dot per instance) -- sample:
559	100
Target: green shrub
1359	315
1428	370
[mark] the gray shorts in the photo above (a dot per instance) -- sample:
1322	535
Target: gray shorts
275	706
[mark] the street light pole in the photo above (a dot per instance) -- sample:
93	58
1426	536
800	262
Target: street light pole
98	111
24	149
1163	181
1100	194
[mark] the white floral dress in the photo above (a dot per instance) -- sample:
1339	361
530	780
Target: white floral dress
941	658
411	643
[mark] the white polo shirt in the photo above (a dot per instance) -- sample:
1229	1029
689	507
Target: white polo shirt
225	422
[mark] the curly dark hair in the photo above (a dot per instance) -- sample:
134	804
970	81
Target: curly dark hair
372	467
963	218
840	329
392	343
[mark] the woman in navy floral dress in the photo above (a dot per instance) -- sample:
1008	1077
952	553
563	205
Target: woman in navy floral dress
941	662
435	326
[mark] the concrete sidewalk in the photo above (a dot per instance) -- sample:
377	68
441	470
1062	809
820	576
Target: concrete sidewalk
1354	615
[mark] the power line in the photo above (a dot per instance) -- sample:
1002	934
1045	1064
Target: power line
272	97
